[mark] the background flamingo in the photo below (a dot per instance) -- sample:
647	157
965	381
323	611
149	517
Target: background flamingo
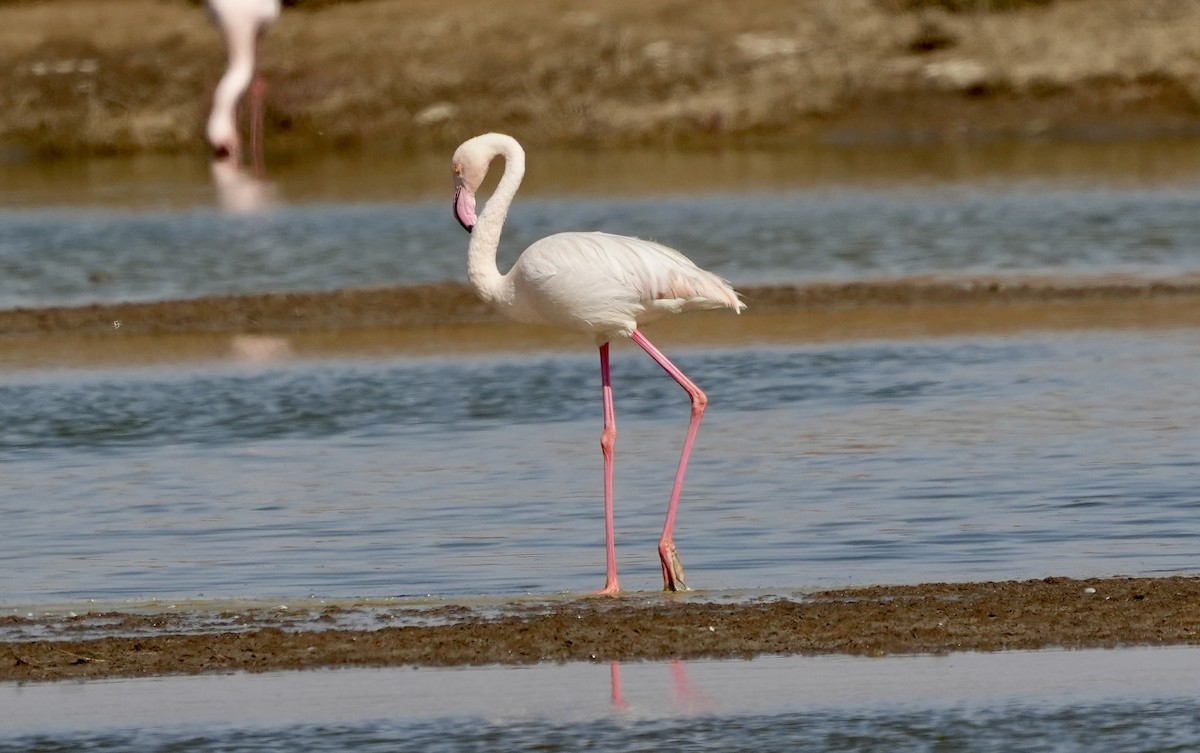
242	23
596	283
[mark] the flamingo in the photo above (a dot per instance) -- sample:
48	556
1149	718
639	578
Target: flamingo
242	23
594	283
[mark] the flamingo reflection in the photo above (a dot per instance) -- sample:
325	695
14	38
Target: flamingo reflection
241	192
685	696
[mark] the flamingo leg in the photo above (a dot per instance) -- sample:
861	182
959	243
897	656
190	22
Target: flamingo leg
672	567
608	444
257	91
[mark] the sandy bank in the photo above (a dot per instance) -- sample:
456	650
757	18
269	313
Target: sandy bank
125	76
931	618
449	319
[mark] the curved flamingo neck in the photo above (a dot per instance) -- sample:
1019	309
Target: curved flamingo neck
222	122
241	42
482	271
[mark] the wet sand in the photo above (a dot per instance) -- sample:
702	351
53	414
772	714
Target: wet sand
449	319
872	621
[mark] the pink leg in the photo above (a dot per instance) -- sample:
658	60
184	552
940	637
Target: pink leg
608	443
671	565
257	90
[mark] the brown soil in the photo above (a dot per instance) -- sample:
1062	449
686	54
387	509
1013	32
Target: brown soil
122	76
880	620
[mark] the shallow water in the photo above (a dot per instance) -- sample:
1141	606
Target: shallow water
819	465
907	461
154	230
1128	700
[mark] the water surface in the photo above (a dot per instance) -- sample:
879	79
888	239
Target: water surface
906	461
1129	700
145	230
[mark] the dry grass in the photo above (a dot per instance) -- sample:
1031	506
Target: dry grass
102	76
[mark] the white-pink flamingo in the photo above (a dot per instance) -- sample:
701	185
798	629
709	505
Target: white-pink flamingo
242	23
595	283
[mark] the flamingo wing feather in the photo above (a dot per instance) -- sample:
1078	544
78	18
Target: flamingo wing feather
605	282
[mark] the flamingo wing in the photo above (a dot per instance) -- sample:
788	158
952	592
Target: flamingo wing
599	282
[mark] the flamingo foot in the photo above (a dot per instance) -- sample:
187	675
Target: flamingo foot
611	588
672	567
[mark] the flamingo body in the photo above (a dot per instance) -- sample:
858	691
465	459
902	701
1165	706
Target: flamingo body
241	22
595	283
606	285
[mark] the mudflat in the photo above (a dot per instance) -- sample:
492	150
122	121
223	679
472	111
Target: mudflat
873	621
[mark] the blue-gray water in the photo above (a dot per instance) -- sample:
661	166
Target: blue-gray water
1053	701
1005	457
150	229
973	458
73	255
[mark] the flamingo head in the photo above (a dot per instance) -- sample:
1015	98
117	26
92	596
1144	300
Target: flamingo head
464	205
223	137
223	152
469	166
